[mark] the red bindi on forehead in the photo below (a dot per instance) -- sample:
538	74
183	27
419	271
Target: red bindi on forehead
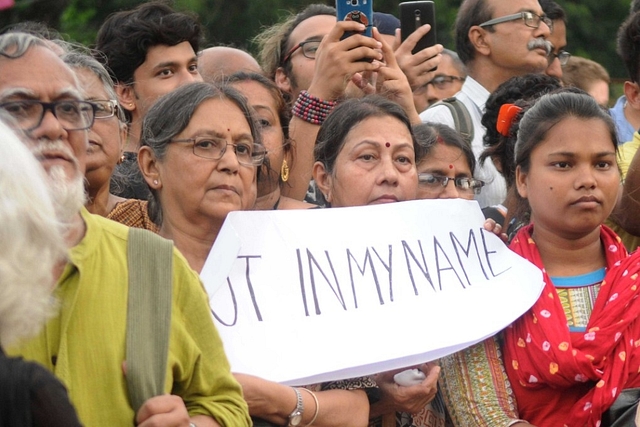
387	145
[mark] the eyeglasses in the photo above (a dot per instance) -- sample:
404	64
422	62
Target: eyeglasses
439	182
105	108
563	56
308	47
530	19
72	114
207	147
443	82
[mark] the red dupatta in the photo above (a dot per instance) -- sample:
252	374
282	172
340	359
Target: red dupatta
541	352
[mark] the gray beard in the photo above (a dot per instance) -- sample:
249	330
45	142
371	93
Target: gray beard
68	193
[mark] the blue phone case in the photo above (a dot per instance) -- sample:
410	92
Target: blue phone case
356	10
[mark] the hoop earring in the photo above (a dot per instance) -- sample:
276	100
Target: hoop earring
284	171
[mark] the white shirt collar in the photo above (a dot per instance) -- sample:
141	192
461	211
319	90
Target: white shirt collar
476	92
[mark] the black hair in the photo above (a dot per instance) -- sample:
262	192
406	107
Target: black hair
553	10
628	45
520	88
471	12
548	111
429	134
346	116
125	37
274	40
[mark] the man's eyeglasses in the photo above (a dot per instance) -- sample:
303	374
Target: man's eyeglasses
72	114
439	182
443	82
563	56
105	108
208	147
530	19
308	47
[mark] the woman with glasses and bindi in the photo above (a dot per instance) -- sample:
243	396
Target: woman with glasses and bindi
446	165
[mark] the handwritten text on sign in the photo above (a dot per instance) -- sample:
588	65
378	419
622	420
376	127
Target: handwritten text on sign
360	290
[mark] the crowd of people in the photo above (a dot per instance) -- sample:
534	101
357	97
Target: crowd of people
120	161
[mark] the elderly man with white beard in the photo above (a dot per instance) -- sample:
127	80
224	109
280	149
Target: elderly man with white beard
84	346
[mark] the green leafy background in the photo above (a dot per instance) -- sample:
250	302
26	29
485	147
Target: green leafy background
592	27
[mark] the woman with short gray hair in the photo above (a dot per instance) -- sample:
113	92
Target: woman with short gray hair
200	153
107	137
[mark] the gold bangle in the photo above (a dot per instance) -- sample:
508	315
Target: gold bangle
315	414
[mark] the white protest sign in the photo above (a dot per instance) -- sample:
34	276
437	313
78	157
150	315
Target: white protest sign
306	296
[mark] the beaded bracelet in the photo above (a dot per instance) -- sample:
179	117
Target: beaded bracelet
311	109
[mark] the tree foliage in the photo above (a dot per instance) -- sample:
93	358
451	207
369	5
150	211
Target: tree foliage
592	28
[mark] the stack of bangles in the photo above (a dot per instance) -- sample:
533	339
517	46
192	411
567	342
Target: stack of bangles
315	399
311	109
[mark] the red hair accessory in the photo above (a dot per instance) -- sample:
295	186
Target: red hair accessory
505	118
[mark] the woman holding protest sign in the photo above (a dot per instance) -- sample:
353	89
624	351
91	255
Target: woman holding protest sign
366	154
200	166
573	358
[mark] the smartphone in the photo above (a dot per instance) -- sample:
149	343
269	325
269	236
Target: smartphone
356	10
413	15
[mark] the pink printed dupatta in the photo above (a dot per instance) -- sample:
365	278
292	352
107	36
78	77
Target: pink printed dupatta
540	353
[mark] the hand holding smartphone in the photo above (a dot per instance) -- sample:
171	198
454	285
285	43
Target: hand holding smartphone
413	15
356	10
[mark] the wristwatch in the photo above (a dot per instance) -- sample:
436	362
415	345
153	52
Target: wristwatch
296	416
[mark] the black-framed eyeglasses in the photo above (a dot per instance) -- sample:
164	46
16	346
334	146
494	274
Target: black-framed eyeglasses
563	56
308	47
530	19
105	108
72	114
208	147
443	82
439	182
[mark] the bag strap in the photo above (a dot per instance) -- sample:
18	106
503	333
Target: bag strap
461	117
150	262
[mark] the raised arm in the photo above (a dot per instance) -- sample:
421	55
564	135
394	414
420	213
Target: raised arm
336	62
418	67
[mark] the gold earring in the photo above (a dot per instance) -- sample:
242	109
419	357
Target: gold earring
284	171
121	159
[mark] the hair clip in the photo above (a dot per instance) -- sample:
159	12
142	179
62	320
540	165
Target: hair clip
505	118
